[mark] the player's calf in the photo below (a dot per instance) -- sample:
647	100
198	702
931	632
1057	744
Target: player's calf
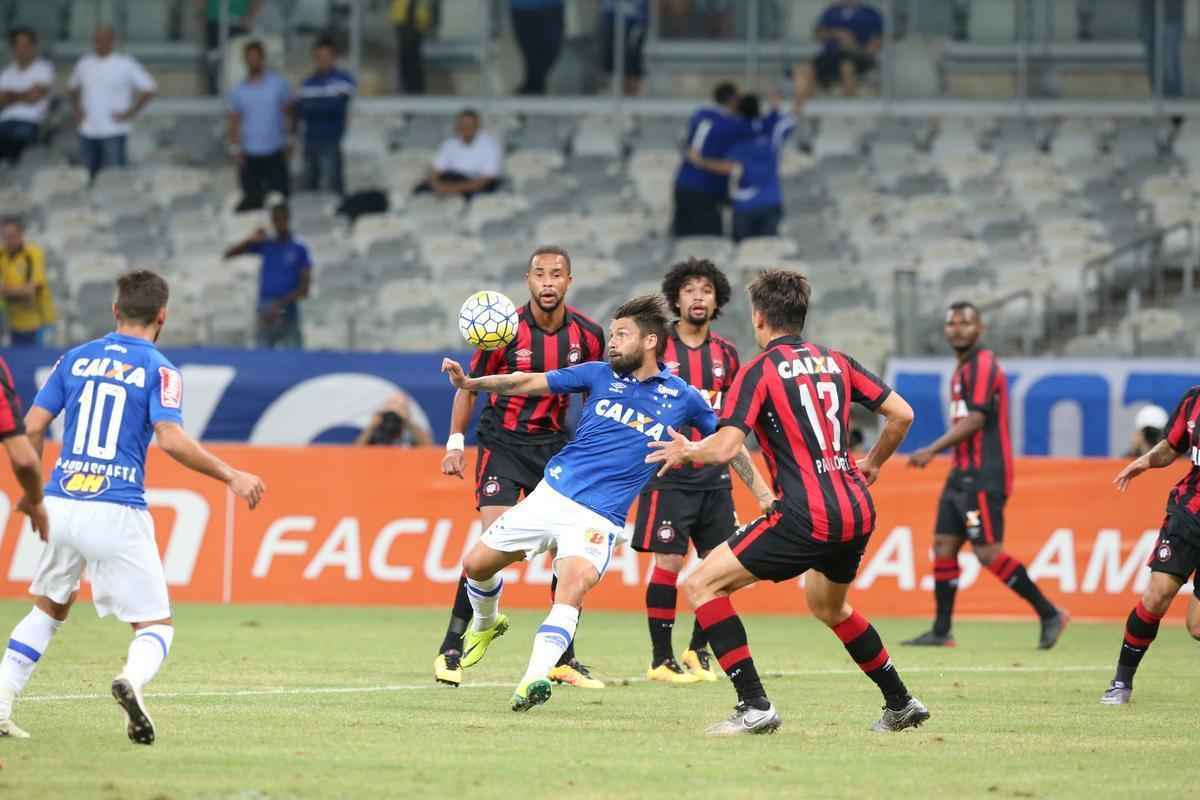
1193	615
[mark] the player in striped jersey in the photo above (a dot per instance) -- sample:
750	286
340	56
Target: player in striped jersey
691	503
972	502
517	434
1176	553
796	397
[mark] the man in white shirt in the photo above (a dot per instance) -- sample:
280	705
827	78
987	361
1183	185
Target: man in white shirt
25	86
466	164
108	90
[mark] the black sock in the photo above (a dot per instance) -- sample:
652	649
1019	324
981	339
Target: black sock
569	654
661	595
863	644
1140	629
1014	576
699	637
946	573
460	618
727	636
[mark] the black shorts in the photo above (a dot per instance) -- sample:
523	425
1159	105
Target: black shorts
1177	551
503	474
696	214
668	518
828	66
635	41
772	549
964	510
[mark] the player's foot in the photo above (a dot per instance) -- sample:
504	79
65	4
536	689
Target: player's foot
447	668
746	720
476	643
1052	629
138	724
1118	694
913	715
9	728
931	639
699	663
574	673
531	694
669	672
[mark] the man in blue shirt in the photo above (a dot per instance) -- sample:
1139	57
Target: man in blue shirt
699	193
580	505
259	121
851	34
283	280
323	105
115	393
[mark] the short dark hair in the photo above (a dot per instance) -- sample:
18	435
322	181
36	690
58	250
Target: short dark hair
21	30
965	305
684	271
750	106
326	40
551	250
469	112
20	223
141	294
724	92
650	316
781	296
255	44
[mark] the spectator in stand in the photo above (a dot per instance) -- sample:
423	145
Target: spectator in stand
242	14
699	193
260	117
466	164
1172	41
283	279
538	26
27	297
108	90
851	34
323	105
25	86
1148	427
636	20
414	20
400	421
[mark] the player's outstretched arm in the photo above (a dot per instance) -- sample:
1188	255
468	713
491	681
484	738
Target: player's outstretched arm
721	447
898	418
454	462
960	431
187	451
27	466
525	383
1161	455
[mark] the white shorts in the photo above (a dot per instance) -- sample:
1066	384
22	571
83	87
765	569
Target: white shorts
546	519
116	544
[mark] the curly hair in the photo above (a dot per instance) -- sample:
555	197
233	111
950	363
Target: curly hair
684	271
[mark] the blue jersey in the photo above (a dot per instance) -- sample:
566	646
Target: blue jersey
114	391
712	131
603	466
758	187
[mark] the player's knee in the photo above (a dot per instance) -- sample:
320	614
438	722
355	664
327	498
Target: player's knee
829	613
1157	600
697	589
986	555
1194	629
477	568
58	611
669	562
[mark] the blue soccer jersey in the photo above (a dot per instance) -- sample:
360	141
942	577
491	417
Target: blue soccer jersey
114	391
712	131
603	466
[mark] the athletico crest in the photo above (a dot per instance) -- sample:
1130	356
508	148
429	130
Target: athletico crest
665	533
1164	551
574	355
491	488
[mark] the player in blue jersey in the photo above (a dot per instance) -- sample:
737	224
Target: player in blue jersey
116	392
587	488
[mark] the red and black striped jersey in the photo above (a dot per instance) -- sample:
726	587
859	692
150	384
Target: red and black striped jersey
710	368
1183	435
979	384
11	421
796	398
517	419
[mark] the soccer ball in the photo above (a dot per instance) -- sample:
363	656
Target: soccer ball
488	320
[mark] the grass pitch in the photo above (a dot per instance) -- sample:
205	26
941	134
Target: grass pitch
276	702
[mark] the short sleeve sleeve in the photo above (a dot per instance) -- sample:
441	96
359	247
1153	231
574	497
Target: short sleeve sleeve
441	161
744	401
1178	435
142	80
979	383
235	100
37	267
305	257
45	74
284	90
572	380
166	395
702	418
53	396
865	387
494	164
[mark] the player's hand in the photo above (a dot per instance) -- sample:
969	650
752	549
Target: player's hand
869	470
38	517
1131	471
766	504
454	462
248	487
670	453
454	371
919	459
259	236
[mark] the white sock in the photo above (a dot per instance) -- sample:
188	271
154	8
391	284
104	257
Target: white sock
485	599
29	640
551	640
147	652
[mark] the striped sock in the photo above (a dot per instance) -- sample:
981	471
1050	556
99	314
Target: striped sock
147	652
1140	629
485	600
551	639
862	642
946	573
661	595
460	618
28	642
727	635
1013	575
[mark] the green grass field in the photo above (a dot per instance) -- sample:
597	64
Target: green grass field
278	702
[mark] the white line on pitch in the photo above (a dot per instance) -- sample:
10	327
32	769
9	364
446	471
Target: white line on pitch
408	687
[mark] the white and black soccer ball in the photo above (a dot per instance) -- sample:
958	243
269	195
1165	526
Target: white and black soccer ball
488	320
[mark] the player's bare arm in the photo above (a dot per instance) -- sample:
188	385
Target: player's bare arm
454	462
1161	455
721	447
743	465
898	418
960	431
187	451
27	466
523	383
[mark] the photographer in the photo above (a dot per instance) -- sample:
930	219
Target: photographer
399	422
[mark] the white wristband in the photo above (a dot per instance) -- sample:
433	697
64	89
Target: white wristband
455	442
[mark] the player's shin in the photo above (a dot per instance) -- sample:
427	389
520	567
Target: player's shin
569	654
26	645
460	618
551	640
485	600
1012	573
727	635
661	595
862	642
1140	629
147	652
699	637
946	573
